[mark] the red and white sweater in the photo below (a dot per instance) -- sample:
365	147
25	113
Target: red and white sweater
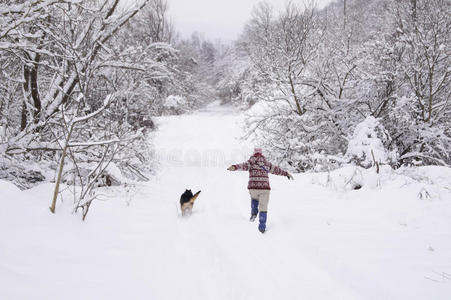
258	168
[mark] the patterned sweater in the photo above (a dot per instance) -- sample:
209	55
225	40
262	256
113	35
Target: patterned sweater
258	168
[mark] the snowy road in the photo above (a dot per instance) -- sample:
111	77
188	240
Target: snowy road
321	243
218	253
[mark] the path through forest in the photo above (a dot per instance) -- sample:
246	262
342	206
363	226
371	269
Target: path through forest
321	243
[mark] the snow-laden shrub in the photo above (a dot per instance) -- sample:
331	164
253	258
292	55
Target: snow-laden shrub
368	144
23	173
174	101
175	104
346	178
427	183
111	175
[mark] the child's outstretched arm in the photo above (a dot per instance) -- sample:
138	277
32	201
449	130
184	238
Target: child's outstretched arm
278	171
239	167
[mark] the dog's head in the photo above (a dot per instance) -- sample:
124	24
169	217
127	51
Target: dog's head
188	193
186	196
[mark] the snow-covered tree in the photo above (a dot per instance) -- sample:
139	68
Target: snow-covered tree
284	49
61	60
332	68
422	30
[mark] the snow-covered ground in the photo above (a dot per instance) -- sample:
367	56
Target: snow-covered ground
391	239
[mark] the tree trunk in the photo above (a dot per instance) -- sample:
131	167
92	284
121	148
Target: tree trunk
23	120
299	109
60	170
34	90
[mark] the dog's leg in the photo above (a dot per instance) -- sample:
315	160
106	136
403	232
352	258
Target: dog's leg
182	208
187	211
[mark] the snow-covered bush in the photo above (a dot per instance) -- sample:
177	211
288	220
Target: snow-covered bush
175	104
427	182
24	174
111	175
368	145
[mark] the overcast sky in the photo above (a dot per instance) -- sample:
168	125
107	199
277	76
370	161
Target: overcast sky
218	19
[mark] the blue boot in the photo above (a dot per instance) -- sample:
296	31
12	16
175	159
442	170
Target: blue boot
254	209
262	219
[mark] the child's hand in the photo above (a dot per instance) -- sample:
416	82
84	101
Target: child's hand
231	168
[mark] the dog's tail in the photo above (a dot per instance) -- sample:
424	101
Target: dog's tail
194	197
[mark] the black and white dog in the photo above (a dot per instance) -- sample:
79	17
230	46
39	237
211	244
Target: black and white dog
187	202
